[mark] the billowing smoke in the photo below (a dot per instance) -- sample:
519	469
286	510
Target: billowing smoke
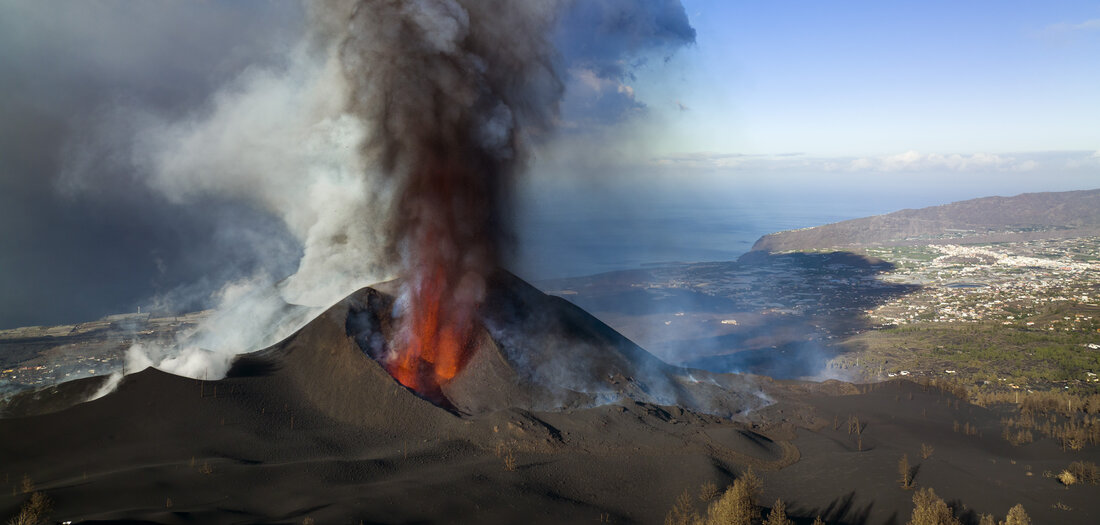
453	92
280	139
386	143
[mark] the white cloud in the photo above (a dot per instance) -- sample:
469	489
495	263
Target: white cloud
701	160
915	161
730	160
1085	162
597	84
906	162
1087	25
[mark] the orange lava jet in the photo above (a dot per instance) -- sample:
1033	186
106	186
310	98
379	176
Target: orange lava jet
451	96
437	340
436	334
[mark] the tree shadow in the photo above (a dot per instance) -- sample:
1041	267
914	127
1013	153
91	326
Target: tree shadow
965	515
841	510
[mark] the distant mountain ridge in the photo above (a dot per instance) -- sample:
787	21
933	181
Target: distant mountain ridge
1027	216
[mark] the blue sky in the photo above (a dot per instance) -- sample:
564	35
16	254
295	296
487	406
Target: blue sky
765	115
791	114
879	78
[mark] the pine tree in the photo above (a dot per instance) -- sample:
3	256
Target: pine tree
683	512
778	515
905	471
1017	516
738	505
928	509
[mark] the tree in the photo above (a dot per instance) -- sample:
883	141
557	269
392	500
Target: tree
906	472
683	512
1017	516
928	509
738	505
778	515
34	510
753	484
708	491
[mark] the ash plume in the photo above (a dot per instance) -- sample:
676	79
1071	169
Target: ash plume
384	143
453	93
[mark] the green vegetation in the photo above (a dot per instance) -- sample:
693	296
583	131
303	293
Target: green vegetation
904	256
978	352
1010	315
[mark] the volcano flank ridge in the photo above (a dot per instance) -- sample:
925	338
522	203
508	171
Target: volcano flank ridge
533	352
315	426
555	418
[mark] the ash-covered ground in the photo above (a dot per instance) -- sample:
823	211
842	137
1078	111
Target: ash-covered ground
316	429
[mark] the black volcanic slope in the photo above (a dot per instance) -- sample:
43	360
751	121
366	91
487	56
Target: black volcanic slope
540	352
313	427
989	219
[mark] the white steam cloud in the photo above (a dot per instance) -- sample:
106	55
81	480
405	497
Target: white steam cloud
278	139
311	142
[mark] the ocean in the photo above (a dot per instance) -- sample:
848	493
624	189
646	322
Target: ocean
574	233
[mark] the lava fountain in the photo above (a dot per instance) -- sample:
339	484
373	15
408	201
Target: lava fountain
437	337
451	92
445	283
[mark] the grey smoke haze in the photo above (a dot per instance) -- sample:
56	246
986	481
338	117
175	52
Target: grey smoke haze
76	77
606	41
189	155
63	66
453	94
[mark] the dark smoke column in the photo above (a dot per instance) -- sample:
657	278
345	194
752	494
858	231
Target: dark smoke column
451	91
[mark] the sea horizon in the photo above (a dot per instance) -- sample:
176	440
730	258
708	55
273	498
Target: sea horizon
564	236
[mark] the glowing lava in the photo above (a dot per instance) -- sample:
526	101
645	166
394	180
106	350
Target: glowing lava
437	328
452	94
437	339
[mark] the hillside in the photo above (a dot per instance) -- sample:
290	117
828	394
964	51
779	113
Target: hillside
1030	216
314	430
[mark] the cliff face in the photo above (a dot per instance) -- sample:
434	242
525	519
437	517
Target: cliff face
989	219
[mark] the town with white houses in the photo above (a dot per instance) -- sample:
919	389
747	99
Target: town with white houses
1010	283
